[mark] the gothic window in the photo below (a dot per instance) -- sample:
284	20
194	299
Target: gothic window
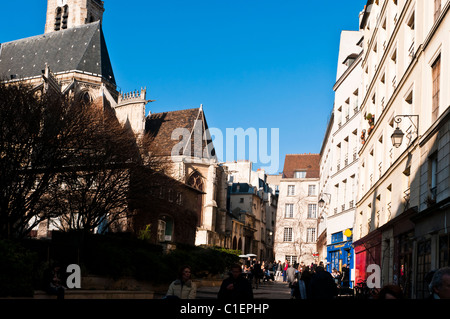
196	181
85	97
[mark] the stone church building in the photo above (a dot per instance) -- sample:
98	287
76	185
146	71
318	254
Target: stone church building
72	58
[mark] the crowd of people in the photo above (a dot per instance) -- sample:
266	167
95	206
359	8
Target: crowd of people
304	282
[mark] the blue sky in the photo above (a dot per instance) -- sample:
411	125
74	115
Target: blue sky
251	63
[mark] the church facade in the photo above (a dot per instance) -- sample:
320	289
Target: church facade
72	58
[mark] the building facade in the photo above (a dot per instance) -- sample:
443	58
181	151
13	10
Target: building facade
297	212
192	159
252	200
339	157
403	187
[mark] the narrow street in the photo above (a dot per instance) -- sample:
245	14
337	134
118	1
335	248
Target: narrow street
268	290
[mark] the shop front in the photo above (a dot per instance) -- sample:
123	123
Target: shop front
367	252
340	255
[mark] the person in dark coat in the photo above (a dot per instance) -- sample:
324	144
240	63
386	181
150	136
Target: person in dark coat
53	281
235	287
345	280
322	285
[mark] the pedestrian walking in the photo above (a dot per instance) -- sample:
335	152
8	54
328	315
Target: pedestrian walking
302	276
345	280
322	285
306	277
291	279
285	268
182	287
279	271
235	287
257	273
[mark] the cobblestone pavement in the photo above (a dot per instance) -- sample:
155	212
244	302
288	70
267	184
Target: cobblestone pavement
267	290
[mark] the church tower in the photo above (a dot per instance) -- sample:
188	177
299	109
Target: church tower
66	14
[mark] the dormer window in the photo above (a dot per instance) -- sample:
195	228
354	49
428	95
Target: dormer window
300	174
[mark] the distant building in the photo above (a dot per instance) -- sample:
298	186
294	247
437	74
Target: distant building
194	163
297	212
252	200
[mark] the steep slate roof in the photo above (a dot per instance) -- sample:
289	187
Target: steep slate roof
161	125
77	49
243	188
302	162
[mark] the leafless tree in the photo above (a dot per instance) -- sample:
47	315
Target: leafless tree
69	162
32	139
112	172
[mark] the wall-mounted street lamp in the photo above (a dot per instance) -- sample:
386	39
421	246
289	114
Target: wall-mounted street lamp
322	201
397	136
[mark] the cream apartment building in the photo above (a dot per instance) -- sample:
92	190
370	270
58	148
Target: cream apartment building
297	212
339	157
405	50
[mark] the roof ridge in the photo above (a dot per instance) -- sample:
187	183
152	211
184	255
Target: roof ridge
44	35
302	154
191	109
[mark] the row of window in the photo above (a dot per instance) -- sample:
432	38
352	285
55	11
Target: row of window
350	106
311	190
288	235
62	15
376	166
289	211
168	194
385	91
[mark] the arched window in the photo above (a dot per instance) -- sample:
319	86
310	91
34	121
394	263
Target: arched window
196	181
65	16
58	16
61	17
85	97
